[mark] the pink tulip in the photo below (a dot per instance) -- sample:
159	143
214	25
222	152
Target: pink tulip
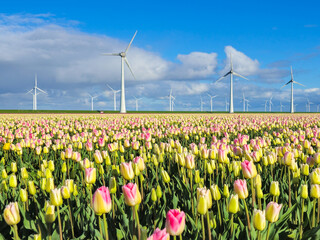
190	164
131	193
272	211
127	170
248	169
101	201
175	222
159	235
240	188
90	175
68	154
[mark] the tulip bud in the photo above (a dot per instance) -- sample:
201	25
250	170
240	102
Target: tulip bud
305	169
113	185
51	165
48	173
24	173
14	167
248	169
175	222
4	174
315	191
37	236
3	186
31	188
132	195
259	219
258	181
64	167
259	192
50	216
11	214
23	195
90	175
65	192
75	190
43	183
226	193
55	197
215	192
153	195
127	170
272	211
197	177
304	191
50	184
274	188
159	192
101	201
315	176
233	206
165	176
240	188
13	181
202	205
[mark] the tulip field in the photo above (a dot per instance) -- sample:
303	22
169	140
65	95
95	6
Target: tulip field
160	176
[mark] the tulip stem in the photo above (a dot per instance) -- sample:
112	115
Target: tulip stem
259	203
301	218
208	223
248	218
113	213
253	193
15	232
314	213
289	182
318	210
231	225
259	235
70	215
219	213
49	231
269	225
105	226
138	222
59	220
203	229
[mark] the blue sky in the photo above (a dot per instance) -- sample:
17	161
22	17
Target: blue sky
181	45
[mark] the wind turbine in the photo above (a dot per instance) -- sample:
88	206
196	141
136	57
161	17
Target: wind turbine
212	97
172	103
92	97
201	104
171	98
137	102
114	97
308	104
270	103
34	92
246	100
292	82
231	73
123	56
318	108
227	105
248	106
281	107
265	106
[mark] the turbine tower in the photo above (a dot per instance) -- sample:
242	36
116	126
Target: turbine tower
93	97
201	104
281	107
137	103
265	106
123	56
114	97
227	105
171	98
34	92
292	82
308	104
270	103
231	73
212	97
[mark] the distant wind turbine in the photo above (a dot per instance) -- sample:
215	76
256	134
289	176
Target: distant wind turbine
308	104
227	105
34	92
212	97
114	97
292	82
265	106
231	73
270	103
93	97
123	56
137	103
201	104
171	98
318	108
281	107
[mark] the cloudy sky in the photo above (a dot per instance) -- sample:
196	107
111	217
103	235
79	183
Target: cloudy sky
181	46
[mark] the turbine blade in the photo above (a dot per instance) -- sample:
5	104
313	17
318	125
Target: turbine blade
110	88
110	54
41	90
299	83
286	84
29	91
131	42
209	95
220	78
238	75
125	59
